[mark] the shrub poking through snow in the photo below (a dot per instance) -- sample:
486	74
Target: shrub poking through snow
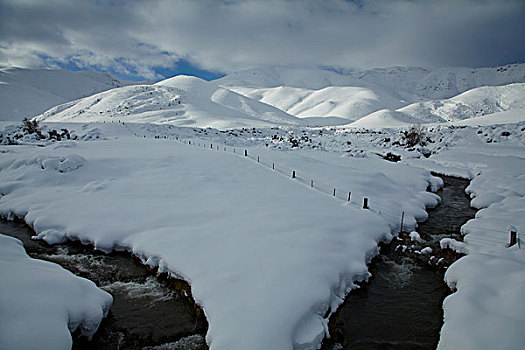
30	130
32	127
414	136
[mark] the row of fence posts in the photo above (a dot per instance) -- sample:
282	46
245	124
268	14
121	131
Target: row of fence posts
365	200
514	239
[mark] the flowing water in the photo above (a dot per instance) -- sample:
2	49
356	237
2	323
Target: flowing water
401	305
399	308
147	312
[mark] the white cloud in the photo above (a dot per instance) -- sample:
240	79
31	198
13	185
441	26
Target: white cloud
134	36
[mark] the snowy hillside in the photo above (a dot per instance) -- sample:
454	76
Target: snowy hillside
181	100
26	93
348	103
321	93
474	103
444	82
421	82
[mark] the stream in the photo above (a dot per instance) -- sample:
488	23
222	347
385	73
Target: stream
401	305
147	312
399	308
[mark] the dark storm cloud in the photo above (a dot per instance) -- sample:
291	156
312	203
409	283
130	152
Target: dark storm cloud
136	36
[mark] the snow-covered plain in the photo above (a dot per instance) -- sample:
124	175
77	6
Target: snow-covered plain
264	254
41	303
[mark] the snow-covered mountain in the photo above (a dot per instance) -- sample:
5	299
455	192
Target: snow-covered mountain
280	96
308	93
343	104
181	100
475	103
26	92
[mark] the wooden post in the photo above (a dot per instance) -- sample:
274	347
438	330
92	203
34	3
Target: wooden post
234	150
293	174
365	203
513	238
257	159
246	153
349	195
334	192
402	218
311	183
189	142
273	166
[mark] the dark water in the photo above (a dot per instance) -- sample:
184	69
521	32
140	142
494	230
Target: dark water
401	306
147	311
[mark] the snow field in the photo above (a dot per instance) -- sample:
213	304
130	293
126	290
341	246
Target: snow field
281	254
42	303
152	176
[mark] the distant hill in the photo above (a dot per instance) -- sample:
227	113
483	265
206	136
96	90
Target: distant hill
321	93
26	92
182	100
266	97
470	105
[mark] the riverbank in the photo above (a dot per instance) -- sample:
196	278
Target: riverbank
149	309
400	307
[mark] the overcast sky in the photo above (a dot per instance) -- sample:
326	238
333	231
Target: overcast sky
151	39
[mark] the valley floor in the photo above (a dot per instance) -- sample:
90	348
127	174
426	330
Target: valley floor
222	210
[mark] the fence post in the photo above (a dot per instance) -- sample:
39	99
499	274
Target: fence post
365	203
402	218
334	192
293	174
246	153
257	159
189	142
217	148
234	150
273	166
311	183
211	145
349	195
513	238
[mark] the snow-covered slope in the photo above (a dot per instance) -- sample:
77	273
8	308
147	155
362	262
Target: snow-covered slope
346	102
182	100
321	93
26	93
475	103
428	84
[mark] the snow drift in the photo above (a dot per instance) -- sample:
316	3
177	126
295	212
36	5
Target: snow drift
42	303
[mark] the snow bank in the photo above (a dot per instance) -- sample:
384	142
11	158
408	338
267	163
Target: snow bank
457	246
41	303
487	309
263	254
